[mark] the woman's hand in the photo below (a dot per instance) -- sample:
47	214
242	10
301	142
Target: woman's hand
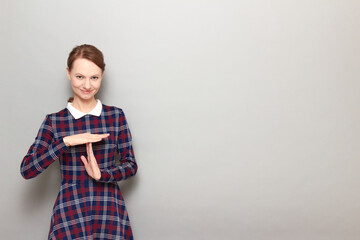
91	165
83	138
90	162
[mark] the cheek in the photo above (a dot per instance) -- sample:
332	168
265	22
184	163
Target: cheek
75	83
97	84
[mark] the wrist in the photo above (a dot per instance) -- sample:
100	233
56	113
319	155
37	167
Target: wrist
66	141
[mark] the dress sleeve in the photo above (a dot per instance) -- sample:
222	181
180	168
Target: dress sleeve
44	151
127	166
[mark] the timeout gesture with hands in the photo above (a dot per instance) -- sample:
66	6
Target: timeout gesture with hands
90	162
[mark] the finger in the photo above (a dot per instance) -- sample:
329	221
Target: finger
91	151
94	140
102	134
84	160
87	149
105	135
99	134
96	137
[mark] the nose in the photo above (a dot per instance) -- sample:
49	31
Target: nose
87	84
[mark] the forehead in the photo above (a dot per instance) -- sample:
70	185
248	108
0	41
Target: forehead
86	67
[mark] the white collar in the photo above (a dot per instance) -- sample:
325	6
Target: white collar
78	114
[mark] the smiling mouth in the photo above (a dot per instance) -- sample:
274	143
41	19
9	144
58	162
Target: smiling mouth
86	92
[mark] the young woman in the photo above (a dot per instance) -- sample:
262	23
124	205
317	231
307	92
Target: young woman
84	137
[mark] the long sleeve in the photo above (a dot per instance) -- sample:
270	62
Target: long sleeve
44	151
127	166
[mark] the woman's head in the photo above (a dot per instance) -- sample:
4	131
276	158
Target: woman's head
85	67
88	52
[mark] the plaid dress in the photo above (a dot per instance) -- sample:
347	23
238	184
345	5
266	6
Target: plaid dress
85	209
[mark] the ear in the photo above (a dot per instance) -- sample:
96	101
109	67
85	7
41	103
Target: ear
68	73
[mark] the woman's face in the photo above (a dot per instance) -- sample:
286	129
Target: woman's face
85	77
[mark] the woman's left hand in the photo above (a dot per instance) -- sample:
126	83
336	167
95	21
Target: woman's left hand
91	165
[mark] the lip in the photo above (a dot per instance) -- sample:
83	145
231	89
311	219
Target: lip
85	92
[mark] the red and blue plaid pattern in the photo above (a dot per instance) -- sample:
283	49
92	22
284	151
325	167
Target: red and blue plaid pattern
85	209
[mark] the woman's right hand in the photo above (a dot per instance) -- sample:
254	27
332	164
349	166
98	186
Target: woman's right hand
83	138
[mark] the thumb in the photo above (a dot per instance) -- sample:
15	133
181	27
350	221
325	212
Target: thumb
84	160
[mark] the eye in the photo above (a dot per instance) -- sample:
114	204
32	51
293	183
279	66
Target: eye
79	77
95	78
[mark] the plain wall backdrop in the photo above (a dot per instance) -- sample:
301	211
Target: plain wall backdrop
244	114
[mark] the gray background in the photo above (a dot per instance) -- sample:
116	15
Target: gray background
244	114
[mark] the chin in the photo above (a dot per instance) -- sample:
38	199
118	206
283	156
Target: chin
85	97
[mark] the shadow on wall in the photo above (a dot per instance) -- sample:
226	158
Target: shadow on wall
128	186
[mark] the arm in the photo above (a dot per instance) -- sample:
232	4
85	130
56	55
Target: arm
44	151
127	166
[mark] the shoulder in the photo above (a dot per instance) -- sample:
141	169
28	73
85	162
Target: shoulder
59	114
115	113
112	109
49	118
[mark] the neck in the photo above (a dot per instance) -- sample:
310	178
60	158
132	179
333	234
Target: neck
84	106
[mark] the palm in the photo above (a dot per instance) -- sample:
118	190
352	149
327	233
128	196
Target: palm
90	163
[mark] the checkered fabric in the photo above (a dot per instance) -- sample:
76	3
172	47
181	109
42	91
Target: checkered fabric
85	209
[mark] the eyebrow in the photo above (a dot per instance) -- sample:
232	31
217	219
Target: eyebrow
90	75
